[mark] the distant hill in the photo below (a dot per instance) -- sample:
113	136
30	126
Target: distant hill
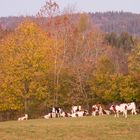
10	22
117	22
108	22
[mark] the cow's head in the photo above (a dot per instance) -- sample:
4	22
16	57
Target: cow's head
85	113
113	108
94	108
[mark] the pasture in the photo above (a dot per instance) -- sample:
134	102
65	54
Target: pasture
86	128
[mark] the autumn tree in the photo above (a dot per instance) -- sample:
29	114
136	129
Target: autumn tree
59	28
84	45
114	88
26	61
134	61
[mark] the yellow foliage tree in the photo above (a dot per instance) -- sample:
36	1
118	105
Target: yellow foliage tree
26	59
134	61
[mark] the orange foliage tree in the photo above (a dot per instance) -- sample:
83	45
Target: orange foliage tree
26	59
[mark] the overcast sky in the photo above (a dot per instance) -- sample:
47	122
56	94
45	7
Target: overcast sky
31	7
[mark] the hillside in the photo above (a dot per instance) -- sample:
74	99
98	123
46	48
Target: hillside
117	22
108	22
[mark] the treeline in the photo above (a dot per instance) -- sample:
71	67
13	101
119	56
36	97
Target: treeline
117	22
108	22
61	62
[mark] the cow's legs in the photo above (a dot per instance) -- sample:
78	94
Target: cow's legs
125	113
133	112
94	113
117	114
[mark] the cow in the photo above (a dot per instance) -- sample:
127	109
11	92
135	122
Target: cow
79	113
56	111
119	108
64	114
23	118
94	110
107	112
49	115
75	109
132	106
97	109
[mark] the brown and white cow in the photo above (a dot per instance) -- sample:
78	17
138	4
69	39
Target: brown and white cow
94	110
119	108
98	109
124	108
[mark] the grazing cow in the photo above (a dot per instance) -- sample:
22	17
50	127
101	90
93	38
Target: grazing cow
119	108
107	112
75	109
132	106
23	118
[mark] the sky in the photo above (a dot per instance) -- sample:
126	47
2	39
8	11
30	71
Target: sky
31	7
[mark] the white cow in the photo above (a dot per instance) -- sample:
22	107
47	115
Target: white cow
75	109
53	112
119	108
23	118
79	113
74	115
132	106
49	115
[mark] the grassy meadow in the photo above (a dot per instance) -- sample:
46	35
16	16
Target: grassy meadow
86	128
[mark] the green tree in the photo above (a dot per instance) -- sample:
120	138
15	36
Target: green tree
134	61
129	89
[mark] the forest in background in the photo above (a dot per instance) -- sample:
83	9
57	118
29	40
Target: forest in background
66	60
108	22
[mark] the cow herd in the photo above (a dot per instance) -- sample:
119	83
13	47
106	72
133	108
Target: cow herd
76	111
96	110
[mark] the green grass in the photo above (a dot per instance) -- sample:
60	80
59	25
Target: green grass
86	128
